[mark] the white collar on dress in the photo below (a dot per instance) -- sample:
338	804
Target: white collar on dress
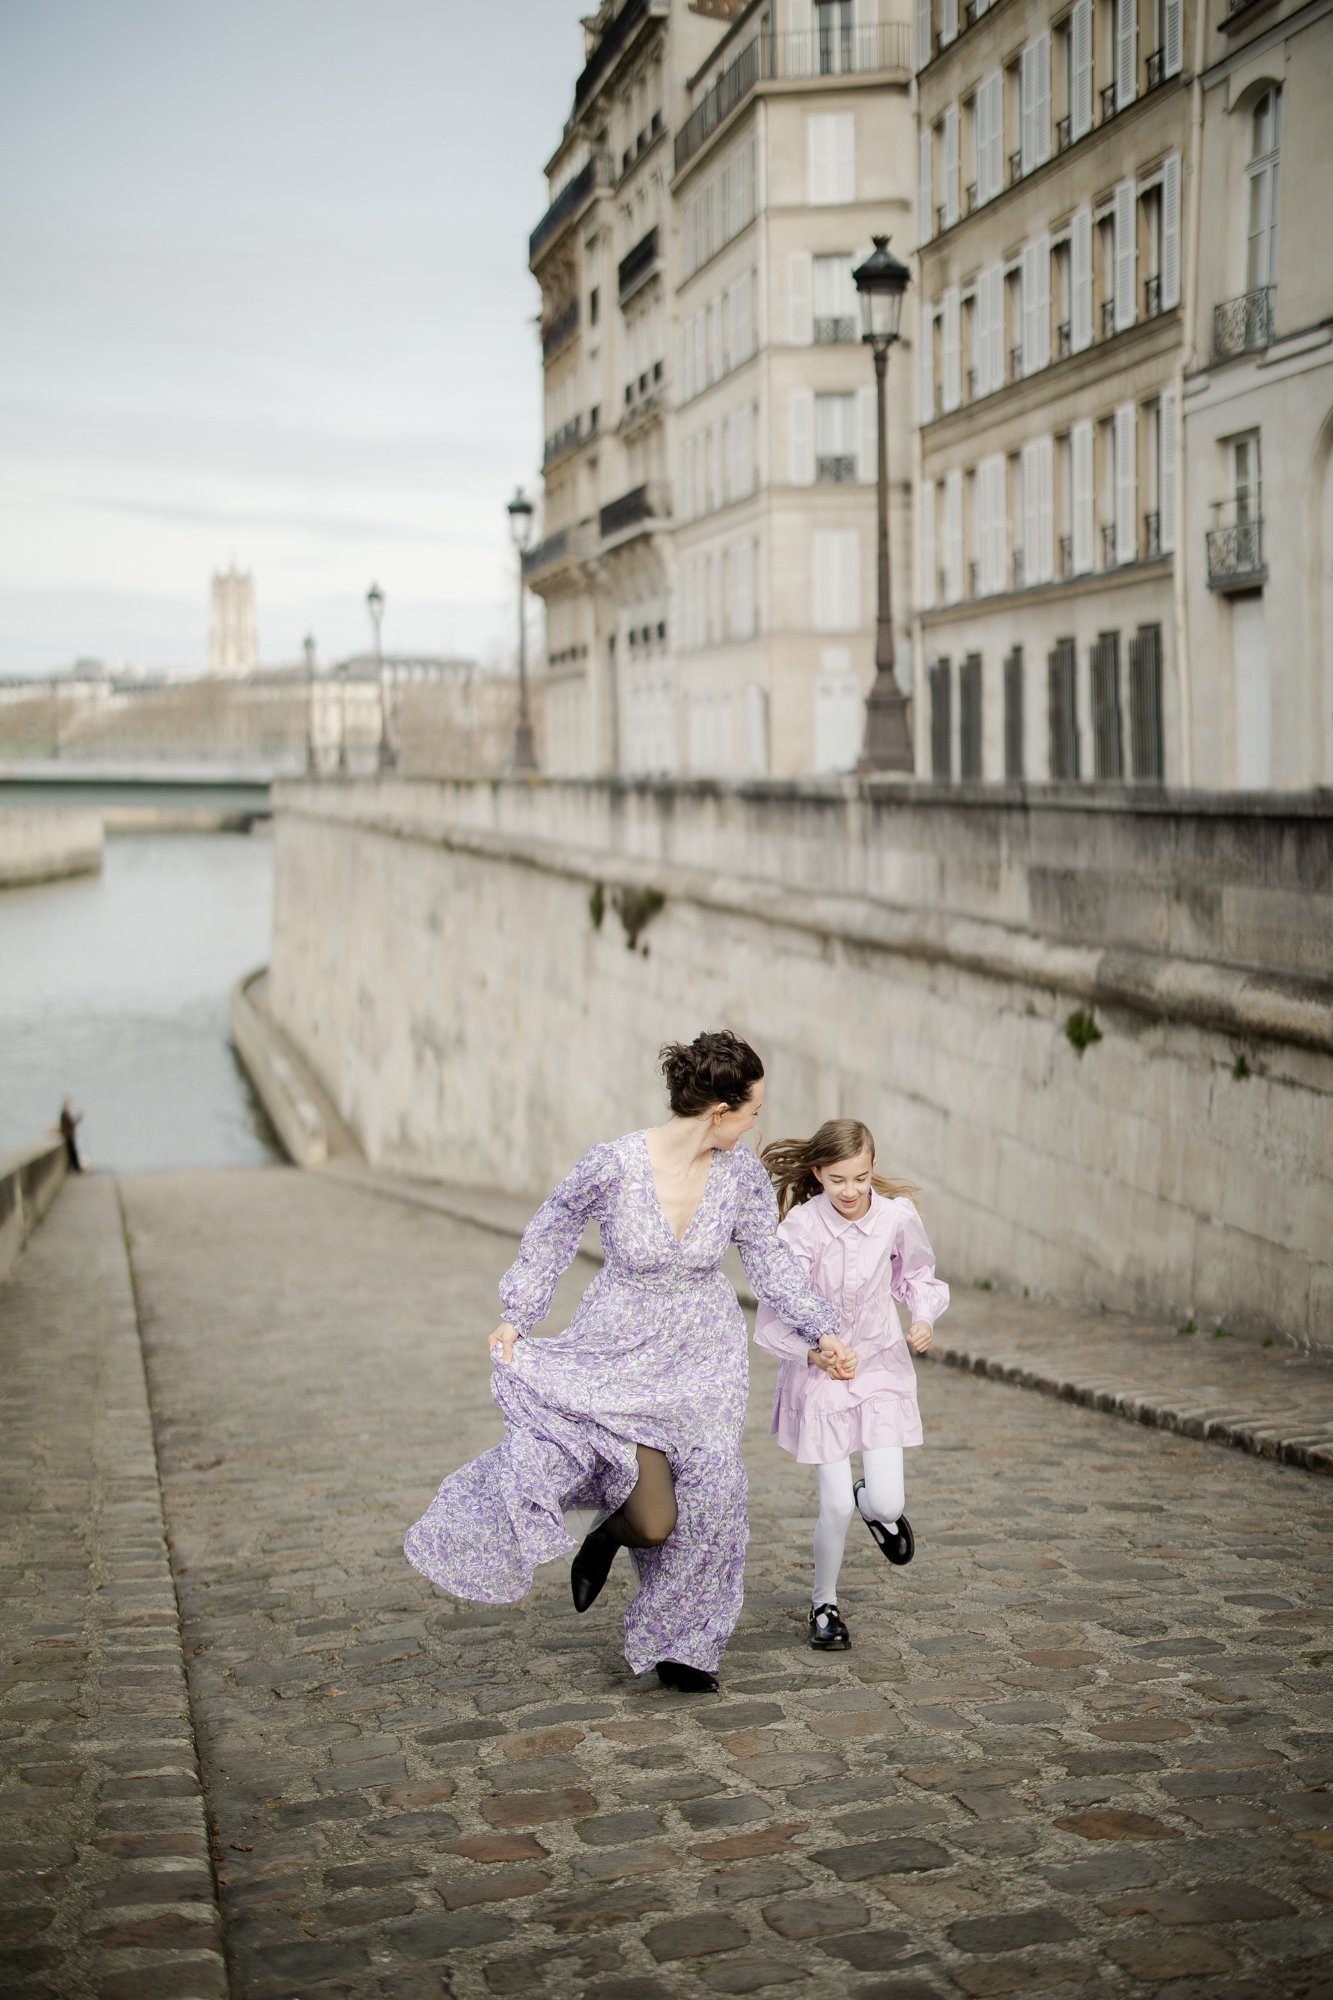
838	1225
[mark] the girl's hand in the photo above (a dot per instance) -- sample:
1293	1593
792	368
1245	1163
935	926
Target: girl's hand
843	1358
919	1336
501	1343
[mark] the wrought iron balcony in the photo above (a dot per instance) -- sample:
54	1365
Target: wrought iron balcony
971	385
859	51
1152	537
973	578
1109	106
835	469
638	265
562	440
1066	555
971	196
570	202
1017	569
558	330
1016	364
970	13
1152	297
829	331
1236	556
547	553
628	511
1156	68
1062	135
940	224
1108	545
1015	167
1108	318
1064	340
1243	325
620	31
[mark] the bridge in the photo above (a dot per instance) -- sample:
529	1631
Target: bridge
249	1753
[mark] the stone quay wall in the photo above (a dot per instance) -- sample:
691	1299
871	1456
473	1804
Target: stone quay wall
30	1180
44	844
480	975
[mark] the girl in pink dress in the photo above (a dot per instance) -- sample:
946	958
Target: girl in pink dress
862	1243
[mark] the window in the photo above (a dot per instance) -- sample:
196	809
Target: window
836	49
836	304
1107	743
1124	57
1079	75
1159	521
1013	713
1035	103
594	306
969	718
1261	190
1147	762
941	722
953	537
835	439
949	189
988	138
1062	708
1245	490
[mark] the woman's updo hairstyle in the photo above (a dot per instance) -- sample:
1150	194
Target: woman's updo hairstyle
716	1068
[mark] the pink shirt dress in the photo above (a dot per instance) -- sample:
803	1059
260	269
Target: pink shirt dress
862	1268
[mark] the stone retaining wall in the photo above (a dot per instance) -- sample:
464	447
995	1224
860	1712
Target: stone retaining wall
482	1000
30	1180
47	843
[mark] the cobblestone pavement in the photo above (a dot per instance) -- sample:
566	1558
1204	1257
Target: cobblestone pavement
105	1883
1081	1746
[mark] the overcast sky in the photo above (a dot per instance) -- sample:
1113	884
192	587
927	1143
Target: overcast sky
263	294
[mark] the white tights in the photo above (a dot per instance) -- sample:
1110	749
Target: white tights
880	1499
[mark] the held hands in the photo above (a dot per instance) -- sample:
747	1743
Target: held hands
501	1343
836	1360
919	1336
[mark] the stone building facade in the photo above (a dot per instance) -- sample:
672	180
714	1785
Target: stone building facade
233	647
1051	183
1258	401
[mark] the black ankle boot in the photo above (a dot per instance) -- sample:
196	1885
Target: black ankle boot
686	1680
590	1568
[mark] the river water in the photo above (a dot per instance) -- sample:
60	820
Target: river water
113	991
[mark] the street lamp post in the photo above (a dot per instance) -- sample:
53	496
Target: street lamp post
311	756
519	510
881	282
375	605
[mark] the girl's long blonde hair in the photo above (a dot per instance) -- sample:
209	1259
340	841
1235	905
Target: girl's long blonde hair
791	1162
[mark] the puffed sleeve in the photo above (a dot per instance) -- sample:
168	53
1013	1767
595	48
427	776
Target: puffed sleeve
778	1279
770	1332
551	1240
913	1281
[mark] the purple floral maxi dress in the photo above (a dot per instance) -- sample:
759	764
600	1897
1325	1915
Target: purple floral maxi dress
655	1355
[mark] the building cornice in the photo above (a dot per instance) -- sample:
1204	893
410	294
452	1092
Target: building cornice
1090	583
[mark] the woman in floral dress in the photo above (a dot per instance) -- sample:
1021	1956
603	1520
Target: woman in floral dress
636	1409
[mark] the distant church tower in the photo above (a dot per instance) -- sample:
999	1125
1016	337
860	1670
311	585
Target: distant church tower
232	647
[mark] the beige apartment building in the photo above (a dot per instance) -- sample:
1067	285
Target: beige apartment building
707	551
1258	401
1052	188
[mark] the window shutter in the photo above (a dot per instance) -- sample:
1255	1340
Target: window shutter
927	545
803	437
800	281
844	157
923	48
1041	99
1166	474
1080	279
1000	521
953	536
995	135
1126	485
1080	87
1031	511
996	327
1045	550
926	365
1026	94
1171	38
948	20
849	579
1126	254
1080	451
1041	274
819	146
1171	231
868	436
950	188
950	386
1126	51
925	195
742	424
1028	282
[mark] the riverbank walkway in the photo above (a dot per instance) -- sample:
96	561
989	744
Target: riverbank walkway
1081	1746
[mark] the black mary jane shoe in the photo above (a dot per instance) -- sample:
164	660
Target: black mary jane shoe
898	1544
686	1680
590	1568
828	1634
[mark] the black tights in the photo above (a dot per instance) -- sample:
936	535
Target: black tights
645	1520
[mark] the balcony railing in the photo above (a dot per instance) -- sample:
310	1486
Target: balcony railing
835	469
1015	167
1017	569
1066	555
562	440
857	51
558	330
830	331
1108	102
973	579
1108	318
1236	556
940	224
1152	537
970	13
1243	325
1156	68
638	264
1015	364
547	553
1152	297
618	34
971	385
1064	340
568	203
1062	135
626	512
1108	545
971	196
